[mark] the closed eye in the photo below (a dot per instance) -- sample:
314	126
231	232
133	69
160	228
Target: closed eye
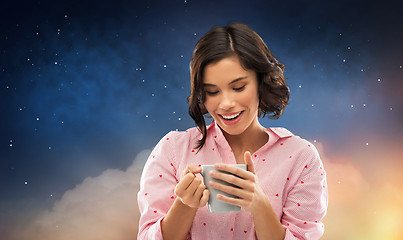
240	88
211	93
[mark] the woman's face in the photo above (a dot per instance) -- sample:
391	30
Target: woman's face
232	97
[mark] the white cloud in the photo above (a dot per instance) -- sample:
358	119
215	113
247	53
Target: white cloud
105	207
100	208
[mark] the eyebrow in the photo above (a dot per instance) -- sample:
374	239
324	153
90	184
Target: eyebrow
233	81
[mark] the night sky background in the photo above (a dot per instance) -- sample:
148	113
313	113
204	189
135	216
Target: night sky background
88	88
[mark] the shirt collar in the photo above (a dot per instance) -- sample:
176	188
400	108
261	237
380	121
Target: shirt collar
275	134
280	132
214	130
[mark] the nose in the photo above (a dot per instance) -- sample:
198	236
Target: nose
227	102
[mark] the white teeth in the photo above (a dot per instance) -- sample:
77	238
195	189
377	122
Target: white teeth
228	117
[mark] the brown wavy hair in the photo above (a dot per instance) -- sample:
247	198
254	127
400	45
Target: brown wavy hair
240	40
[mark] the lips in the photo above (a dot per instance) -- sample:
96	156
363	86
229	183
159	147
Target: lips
231	118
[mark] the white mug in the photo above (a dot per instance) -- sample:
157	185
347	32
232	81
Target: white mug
214	204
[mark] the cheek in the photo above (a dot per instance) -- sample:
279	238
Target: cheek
210	104
249	98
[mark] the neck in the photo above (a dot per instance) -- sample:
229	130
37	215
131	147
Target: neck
253	138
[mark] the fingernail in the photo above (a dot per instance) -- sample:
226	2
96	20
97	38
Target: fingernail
217	165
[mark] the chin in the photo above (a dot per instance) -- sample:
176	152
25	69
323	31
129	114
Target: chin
231	130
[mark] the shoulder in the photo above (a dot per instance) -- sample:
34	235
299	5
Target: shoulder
185	135
303	158
181	139
294	142
173	145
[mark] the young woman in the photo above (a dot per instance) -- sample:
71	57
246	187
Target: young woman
283	193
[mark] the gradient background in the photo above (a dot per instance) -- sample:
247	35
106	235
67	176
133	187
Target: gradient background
88	88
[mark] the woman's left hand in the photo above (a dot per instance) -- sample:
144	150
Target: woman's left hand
251	195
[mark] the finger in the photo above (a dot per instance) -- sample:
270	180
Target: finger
204	198
249	163
195	168
191	168
199	191
187	169
184	183
229	178
191	190
239	192
234	201
228	168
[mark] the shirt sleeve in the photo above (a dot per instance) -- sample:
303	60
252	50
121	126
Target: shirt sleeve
307	201
157	185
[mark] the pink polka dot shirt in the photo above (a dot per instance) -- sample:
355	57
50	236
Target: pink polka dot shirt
288	167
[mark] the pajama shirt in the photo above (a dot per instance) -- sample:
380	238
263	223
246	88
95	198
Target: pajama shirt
289	171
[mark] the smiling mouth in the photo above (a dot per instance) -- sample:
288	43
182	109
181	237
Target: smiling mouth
231	117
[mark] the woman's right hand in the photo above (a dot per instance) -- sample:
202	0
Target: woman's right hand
190	189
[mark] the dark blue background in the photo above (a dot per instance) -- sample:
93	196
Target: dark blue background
85	86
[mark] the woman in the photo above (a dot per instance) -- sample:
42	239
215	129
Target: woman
283	193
